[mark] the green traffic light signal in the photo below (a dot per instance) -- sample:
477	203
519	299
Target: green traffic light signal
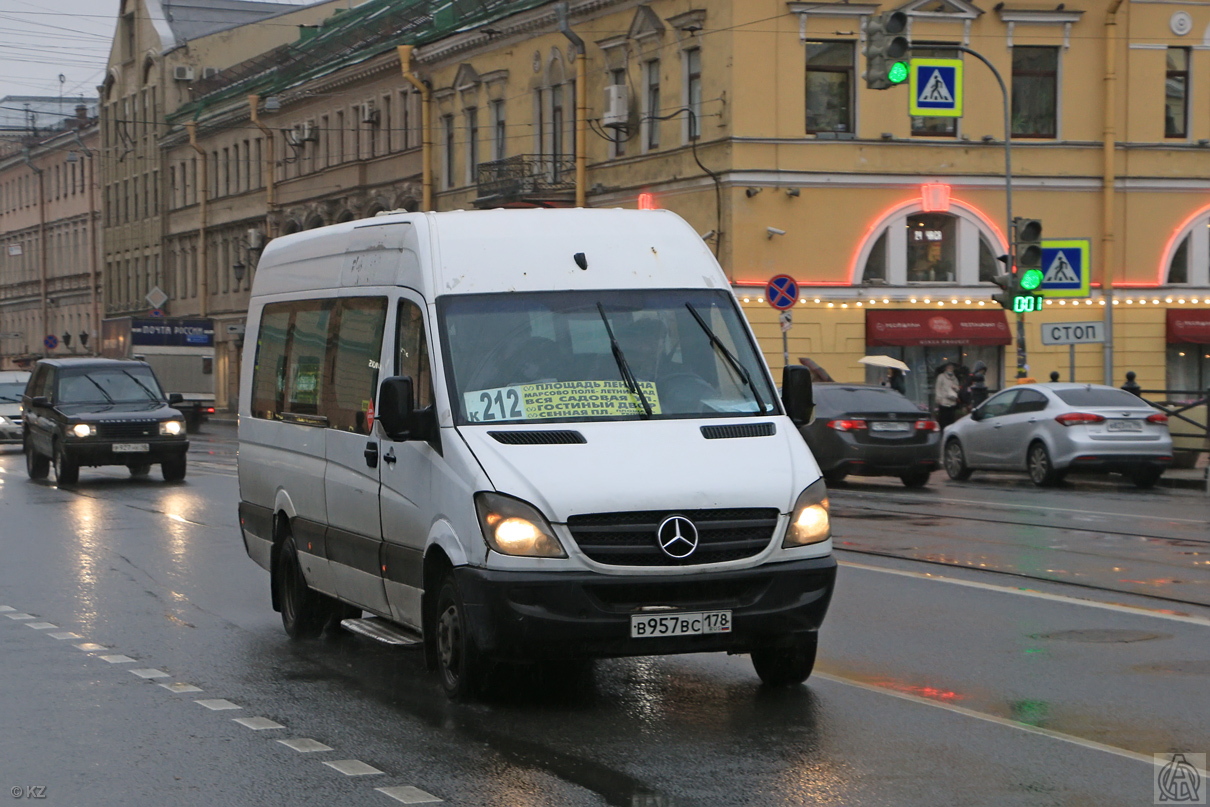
898	73
1031	279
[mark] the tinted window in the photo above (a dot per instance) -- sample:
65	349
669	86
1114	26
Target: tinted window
105	385
412	358
269	373
999	405
306	351
1099	397
356	352
1030	400
857	399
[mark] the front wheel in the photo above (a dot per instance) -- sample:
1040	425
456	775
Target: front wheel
173	469
955	462
1041	470
458	660
304	611
67	467
786	666
36	465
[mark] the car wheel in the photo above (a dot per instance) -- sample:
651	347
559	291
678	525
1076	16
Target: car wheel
173	469
1146	478
458	660
304	611
915	479
142	469
1041	470
955	462
67	468
36	465
786	666
834	477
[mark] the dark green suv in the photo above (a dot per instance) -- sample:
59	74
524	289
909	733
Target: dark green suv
100	412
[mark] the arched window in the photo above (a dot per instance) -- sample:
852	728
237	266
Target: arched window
1186	260
911	245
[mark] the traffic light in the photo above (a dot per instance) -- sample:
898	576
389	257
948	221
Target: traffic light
1013	297
885	49
1007	290
1027	240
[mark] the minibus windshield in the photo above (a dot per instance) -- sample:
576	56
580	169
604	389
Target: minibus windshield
549	356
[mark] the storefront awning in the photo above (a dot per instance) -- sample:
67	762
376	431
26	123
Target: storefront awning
1189	326
906	328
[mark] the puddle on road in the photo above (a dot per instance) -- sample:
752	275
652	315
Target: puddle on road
1101	636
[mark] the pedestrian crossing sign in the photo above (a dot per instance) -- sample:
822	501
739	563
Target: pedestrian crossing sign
1066	269
936	88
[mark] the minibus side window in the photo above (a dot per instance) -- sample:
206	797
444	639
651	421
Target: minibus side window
269	372
355	353
412	354
306	356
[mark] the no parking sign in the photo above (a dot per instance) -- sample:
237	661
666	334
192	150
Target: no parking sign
782	292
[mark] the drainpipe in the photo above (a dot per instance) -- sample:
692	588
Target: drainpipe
581	105
1108	181
270	174
203	211
92	242
426	135
41	237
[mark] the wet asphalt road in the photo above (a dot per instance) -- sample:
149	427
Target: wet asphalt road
948	674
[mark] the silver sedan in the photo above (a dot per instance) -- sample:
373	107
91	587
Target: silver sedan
1050	429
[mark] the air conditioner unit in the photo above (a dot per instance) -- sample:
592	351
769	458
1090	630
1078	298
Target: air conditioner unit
182	72
370	115
256	239
308	133
294	136
617	102
209	72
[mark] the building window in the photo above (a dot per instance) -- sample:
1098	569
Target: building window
472	145
830	87
931	248
556	126
1188	367
498	130
693	91
935	127
652	103
1035	91
916	247
447	123
1189	258
1176	93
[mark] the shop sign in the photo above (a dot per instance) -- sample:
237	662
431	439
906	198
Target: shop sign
1073	333
1189	326
936	328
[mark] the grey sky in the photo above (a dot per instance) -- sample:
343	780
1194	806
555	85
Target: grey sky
39	41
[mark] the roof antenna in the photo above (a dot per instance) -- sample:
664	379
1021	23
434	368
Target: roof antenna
581	260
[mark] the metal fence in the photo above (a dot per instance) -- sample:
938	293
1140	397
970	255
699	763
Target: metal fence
526	176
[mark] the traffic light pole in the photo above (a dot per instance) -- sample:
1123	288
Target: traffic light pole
1008	200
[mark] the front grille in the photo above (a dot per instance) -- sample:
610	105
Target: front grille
126	429
629	539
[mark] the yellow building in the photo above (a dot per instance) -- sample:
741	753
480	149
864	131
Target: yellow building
750	119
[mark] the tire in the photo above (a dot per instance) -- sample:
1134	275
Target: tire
786	666
459	664
67	469
173	470
915	479
140	470
304	611
1145	478
1041	470
955	462
834	477
36	465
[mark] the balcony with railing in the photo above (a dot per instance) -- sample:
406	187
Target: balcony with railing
526	179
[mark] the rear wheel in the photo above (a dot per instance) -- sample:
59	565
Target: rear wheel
458	660
1041	470
915	479
1145	477
173	469
67	467
142	469
786	666
304	611
955	462
36	465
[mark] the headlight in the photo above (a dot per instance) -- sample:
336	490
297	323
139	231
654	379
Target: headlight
172	427
84	430
513	527
810	522
3	420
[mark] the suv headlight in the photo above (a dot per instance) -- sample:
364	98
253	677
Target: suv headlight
810	522
84	430
172	427
513	527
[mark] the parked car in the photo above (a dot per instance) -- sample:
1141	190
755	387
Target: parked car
12	384
100	412
871	431
1050	429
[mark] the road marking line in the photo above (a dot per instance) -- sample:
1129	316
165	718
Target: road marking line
353	767
66	634
149	672
41	625
4	609
88	647
1019	507
305	745
217	704
21	616
999	721
119	659
409	795
258	723
179	688
1136	610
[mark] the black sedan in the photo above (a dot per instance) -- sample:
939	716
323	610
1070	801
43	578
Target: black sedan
871	431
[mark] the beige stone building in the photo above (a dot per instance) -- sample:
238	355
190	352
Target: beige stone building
50	246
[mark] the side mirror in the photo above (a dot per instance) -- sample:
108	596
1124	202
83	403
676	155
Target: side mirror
796	394
175	399
977	414
396	404
39	400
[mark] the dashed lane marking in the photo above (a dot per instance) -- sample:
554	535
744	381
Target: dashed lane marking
305	745
65	634
41	625
258	723
19	617
999	721
150	673
409	795
4	609
179	688
117	659
353	767
217	704
89	647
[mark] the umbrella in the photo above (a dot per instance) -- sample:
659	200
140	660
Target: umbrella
884	361
817	372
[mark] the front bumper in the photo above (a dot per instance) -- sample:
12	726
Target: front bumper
552	615
93	452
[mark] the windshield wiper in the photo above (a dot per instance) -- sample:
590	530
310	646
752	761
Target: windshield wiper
102	389
734	362
623	367
150	395
12	400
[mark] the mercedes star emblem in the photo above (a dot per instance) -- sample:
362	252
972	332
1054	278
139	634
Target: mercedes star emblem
677	537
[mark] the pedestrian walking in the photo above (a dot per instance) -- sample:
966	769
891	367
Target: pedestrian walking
977	384
945	393
895	380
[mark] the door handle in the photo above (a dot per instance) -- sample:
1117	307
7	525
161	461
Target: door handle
997	425
371	454
389	457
